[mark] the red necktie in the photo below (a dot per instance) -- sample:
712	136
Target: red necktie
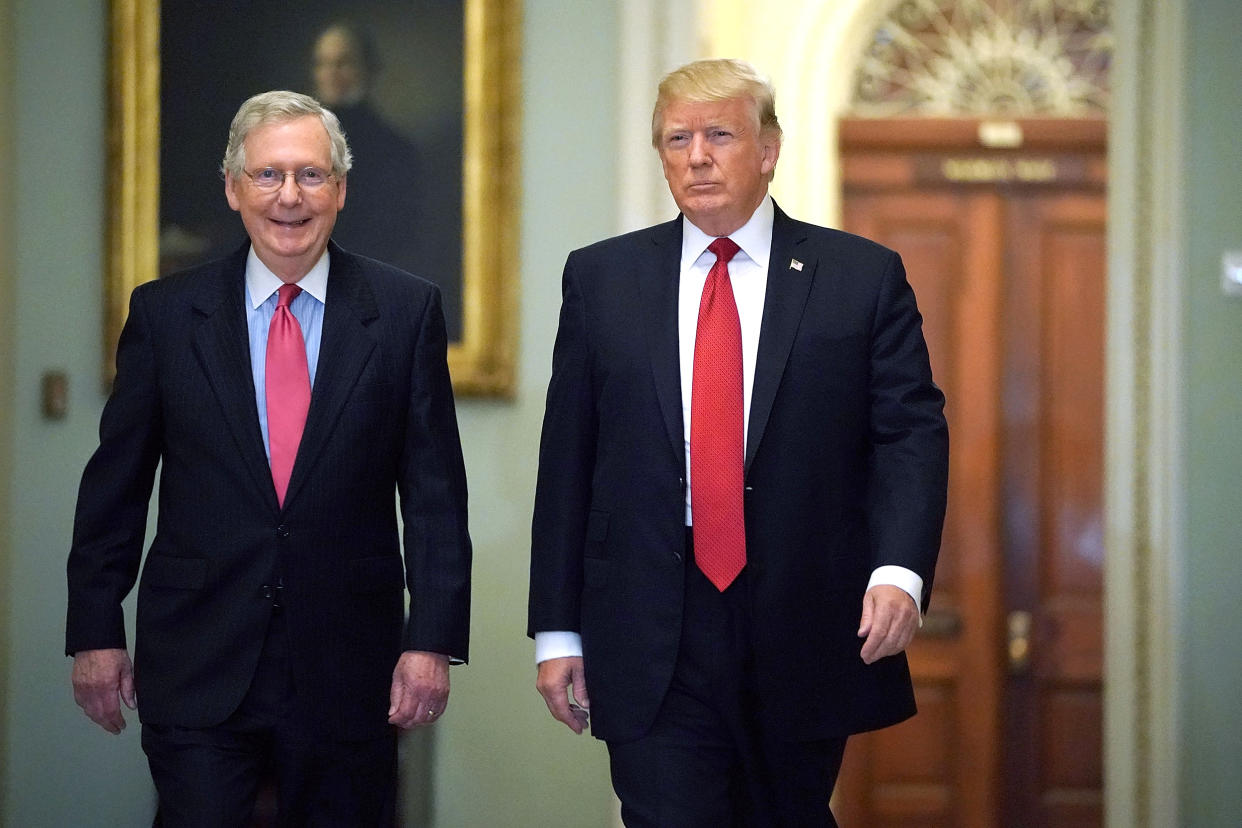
288	389
716	440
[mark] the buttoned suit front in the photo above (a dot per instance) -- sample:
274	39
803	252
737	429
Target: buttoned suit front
845	470
381	421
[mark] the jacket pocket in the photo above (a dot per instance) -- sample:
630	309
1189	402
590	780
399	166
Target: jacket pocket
175	573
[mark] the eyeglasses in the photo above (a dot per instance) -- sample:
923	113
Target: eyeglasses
271	179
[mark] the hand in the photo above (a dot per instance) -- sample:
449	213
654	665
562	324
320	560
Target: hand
889	620
420	689
100	678
557	677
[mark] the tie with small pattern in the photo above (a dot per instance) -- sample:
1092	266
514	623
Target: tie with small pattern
716	440
288	389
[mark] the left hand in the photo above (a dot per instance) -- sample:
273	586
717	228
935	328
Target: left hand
420	689
889	620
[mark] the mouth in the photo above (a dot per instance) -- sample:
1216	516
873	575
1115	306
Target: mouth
289	223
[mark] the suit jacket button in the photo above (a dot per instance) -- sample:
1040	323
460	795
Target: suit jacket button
282	531
677	556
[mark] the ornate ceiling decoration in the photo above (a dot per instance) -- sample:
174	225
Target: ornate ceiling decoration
1010	58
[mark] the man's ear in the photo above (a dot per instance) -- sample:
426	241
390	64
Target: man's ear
771	152
229	184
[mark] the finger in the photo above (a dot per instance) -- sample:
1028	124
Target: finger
100	705
899	625
575	718
556	679
561	710
102	709
580	689
558	705
872	649
396	696
128	694
864	623
403	716
431	705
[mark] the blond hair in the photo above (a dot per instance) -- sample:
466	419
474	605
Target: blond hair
718	79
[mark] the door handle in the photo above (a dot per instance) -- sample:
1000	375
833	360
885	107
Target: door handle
1019	625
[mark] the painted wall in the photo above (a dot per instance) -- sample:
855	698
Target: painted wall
7	212
500	757
1212	719
56	182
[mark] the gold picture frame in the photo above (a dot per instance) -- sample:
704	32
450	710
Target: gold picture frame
482	360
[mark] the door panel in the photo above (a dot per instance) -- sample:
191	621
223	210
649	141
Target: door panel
1054	426
939	767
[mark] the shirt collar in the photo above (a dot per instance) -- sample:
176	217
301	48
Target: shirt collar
261	282
754	237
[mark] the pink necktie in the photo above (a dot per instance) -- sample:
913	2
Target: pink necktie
288	389
716	440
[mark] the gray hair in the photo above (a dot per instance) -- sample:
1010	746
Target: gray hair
709	81
276	107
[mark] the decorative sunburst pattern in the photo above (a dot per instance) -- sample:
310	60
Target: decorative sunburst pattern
986	58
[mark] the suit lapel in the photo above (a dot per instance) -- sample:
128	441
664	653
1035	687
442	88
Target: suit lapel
343	351
222	343
658	286
783	304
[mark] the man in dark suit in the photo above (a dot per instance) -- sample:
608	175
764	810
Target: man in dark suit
765	381
288	393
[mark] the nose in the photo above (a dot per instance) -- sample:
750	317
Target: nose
289	193
699	154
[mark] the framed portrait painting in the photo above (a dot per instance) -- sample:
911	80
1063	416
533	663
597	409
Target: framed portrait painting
427	94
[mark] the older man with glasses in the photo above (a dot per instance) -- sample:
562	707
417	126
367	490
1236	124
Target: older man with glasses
287	393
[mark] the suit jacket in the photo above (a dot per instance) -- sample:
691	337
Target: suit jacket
381	420
846	470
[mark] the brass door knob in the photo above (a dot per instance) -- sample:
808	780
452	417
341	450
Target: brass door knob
1019	642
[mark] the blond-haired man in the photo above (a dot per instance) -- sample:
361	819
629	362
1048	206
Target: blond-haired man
741	484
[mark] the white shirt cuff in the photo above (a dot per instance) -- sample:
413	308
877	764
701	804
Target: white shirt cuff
905	579
557	644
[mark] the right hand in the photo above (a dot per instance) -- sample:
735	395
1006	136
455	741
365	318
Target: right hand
557	678
101	680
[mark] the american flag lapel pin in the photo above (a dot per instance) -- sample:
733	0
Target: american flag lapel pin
794	264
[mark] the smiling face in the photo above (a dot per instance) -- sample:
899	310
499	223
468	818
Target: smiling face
716	161
289	227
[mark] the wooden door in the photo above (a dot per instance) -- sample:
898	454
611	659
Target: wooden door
1005	250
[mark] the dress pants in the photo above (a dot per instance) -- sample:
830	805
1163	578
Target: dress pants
707	760
209	777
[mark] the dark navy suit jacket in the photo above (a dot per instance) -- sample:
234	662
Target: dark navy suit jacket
846	470
381	420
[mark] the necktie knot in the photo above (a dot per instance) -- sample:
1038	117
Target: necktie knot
724	248
287	294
